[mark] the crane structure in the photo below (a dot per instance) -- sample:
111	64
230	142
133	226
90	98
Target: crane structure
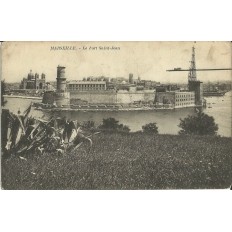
198	69
194	84
192	76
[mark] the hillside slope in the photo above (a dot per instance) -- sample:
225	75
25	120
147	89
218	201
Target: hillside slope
127	161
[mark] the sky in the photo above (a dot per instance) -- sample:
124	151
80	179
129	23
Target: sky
149	60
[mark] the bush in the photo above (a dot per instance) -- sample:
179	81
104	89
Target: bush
150	128
109	123
112	125
200	124
123	128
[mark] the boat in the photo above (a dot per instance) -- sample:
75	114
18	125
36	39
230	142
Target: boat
213	93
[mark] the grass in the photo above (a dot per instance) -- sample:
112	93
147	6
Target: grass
127	161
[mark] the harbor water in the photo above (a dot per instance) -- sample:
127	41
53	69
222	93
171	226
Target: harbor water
167	120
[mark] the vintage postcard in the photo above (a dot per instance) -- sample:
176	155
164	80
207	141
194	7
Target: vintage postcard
116	115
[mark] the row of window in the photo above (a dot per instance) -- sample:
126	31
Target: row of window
184	95
186	99
97	87
184	104
81	87
86	85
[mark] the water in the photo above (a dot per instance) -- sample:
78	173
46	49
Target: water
167	120
15	104
221	111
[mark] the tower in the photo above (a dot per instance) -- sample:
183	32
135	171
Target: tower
197	87
193	84
43	76
192	76
62	97
36	85
30	75
131	79
61	80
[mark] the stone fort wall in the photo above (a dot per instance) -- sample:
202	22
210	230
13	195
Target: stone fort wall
111	97
99	97
92	97
127	97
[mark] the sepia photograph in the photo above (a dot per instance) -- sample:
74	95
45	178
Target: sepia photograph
116	115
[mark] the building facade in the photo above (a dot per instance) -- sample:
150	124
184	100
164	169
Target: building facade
184	99
175	99
33	81
76	86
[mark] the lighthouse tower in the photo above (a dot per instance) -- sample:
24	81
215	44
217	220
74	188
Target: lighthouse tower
61	80
62	97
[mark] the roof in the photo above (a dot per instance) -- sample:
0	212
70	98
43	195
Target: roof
86	82
185	92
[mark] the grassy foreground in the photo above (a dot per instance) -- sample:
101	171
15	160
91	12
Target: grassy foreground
127	161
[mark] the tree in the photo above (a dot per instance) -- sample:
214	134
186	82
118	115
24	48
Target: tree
150	128
123	128
3	91
200	124
111	124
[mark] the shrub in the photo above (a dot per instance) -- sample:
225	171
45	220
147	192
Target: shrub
123	128
109	123
112	125
150	128
200	124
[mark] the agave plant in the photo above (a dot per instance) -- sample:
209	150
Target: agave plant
24	134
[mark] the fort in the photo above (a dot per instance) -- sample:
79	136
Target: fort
94	93
97	93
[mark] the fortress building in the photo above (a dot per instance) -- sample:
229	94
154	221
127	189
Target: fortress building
95	93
